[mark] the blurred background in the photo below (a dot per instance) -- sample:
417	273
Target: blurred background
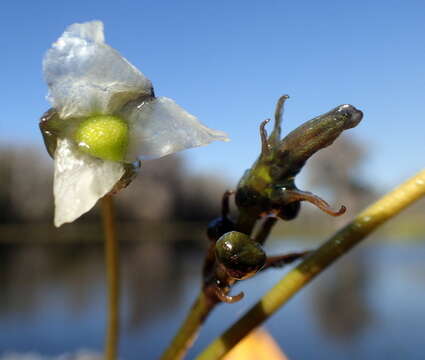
227	63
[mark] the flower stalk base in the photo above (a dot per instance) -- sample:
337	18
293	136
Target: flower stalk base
112	273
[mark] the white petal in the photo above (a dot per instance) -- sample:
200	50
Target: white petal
160	127
85	75
80	180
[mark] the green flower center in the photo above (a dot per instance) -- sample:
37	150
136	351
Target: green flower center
103	136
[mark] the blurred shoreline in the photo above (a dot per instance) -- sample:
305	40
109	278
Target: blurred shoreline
166	200
193	234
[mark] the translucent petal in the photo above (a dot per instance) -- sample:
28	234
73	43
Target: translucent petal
86	76
80	180
159	127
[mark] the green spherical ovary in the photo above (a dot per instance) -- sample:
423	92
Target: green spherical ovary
241	256
103	136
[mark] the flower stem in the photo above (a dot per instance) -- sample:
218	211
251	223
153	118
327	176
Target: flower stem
112	272
367	221
189	329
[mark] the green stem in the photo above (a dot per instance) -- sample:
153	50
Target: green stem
349	236
189	329
112	271
200	309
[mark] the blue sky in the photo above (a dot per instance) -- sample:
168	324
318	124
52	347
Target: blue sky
228	61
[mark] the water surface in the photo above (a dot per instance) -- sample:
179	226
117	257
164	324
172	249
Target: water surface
52	301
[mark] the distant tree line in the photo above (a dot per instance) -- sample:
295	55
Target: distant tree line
165	190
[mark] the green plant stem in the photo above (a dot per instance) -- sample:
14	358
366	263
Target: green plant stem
112	274
367	221
190	328
202	307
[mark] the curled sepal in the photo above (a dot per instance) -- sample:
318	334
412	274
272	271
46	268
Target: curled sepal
287	196
271	143
275	135
223	295
130	172
239	255
265	146
50	125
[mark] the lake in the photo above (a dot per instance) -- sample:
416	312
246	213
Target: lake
370	305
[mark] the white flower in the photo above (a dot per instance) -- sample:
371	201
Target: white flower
90	84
